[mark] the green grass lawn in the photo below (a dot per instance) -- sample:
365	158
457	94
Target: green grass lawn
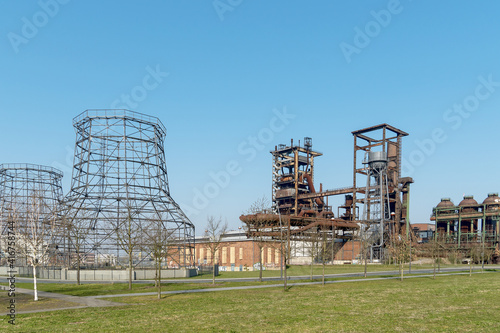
95	289
448	304
122	288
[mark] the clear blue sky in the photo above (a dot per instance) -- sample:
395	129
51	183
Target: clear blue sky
337	66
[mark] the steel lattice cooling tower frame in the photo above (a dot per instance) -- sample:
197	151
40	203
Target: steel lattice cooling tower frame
120	181
30	192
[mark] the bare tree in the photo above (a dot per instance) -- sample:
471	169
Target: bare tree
285	232
36	229
260	206
400	251
323	252
129	237
437	246
214	232
313	250
158	241
475	255
77	227
364	251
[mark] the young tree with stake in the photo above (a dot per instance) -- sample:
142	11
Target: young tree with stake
214	232
36	230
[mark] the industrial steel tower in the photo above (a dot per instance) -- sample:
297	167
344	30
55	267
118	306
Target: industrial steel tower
30	196
376	208
120	188
385	195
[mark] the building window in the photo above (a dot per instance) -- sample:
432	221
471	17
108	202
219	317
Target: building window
224	255
269	255
232	253
209	255
241	253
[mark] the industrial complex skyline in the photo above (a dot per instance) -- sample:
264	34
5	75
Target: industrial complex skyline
230	80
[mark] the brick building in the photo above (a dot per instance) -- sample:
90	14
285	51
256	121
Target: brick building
238	253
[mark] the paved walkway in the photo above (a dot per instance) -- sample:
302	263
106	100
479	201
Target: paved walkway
84	302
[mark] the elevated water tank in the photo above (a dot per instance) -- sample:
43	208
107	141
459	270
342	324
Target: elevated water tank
377	160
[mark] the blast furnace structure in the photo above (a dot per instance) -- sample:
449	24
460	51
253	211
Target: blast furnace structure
378	189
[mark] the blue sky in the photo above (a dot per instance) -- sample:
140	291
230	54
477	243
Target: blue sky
233	65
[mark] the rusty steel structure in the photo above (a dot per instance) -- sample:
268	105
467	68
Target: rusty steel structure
468	223
385	197
120	191
29	195
377	186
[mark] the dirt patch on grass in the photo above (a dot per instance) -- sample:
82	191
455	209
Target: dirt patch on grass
25	302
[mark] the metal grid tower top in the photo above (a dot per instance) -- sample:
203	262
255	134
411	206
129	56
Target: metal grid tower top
117	114
20	181
120	181
30	197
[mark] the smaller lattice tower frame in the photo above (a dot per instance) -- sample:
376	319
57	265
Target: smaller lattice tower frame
30	196
382	191
120	188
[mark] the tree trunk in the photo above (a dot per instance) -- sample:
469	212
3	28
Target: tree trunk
434	276
156	272
78	267
401	269
323	280
130	271
470	266
284	281
312	259
409	267
159	279
35	289
439	261
366	259
260	263
213	269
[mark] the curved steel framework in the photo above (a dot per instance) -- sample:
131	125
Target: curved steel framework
30	196
120	193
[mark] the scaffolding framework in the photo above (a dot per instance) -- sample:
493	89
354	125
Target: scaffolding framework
30	196
120	189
